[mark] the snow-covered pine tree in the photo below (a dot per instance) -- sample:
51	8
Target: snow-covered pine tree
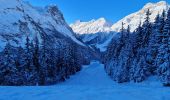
60	64
28	54
51	67
118	69
159	37
120	42
162	23
36	60
32	75
124	58
146	64
75	66
138	38
28	68
147	29
76	58
164	52
1	68
18	59
136	46
110	56
153	46
67	61
141	67
110	50
8	68
140	73
43	61
19	64
128	52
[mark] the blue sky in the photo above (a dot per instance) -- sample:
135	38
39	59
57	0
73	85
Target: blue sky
85	10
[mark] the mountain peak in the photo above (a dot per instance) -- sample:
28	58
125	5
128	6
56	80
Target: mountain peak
93	26
148	5
104	22
19	18
151	5
101	19
133	19
162	3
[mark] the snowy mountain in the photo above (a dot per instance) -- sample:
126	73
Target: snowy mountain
37	47
88	31
19	19
92	27
134	19
95	32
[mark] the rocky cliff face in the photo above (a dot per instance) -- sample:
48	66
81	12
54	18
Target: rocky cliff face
20	19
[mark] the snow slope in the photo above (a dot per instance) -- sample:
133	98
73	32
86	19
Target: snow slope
91	83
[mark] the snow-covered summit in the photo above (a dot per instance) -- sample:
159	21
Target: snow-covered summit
19	18
134	19
91	27
150	5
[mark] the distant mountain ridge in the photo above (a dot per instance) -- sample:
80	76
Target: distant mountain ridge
90	29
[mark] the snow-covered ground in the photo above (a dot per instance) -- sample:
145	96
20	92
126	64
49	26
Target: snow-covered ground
91	83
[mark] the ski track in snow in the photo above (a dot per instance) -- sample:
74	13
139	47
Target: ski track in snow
92	83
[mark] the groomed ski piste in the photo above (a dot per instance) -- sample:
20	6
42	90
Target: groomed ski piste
92	83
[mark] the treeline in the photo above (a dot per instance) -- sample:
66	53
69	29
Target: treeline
39	62
143	53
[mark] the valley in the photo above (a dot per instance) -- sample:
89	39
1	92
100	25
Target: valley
42	57
92	83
